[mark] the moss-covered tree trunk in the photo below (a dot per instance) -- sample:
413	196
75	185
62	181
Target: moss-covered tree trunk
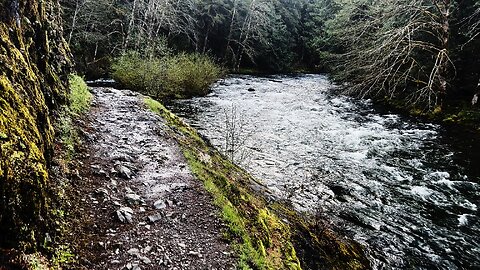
34	61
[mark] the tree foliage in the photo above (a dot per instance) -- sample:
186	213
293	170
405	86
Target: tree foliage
262	33
420	51
402	49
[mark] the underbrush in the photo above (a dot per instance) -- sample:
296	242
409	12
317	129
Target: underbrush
171	76
79	101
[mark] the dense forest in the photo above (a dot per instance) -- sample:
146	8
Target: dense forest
422	52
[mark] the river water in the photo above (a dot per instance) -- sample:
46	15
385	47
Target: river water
407	190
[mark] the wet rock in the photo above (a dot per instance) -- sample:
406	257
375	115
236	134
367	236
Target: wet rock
123	171
154	218
101	192
125	214
133	199
159	204
134	251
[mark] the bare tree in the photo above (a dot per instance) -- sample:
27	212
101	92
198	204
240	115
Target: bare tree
399	47
236	136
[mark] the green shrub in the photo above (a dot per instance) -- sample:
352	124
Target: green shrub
191	74
79	97
182	75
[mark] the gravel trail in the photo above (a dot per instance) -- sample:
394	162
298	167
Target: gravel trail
137	204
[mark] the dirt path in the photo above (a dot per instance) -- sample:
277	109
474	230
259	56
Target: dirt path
139	207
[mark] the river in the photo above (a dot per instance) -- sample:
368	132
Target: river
406	189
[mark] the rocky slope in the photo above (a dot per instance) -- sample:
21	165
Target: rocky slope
33	63
136	203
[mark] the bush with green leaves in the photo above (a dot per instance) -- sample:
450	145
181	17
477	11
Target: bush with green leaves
179	76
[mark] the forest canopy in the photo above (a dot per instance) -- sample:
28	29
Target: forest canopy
422	51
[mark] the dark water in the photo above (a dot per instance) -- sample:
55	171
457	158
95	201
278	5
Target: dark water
407	190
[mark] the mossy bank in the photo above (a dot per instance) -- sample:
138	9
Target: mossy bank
34	63
266	235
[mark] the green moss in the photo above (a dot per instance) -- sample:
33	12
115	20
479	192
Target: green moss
31	89
79	97
79	103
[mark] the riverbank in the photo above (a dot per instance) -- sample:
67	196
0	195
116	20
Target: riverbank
266	234
454	114
373	174
148	192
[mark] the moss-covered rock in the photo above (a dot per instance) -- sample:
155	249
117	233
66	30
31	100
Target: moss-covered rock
34	61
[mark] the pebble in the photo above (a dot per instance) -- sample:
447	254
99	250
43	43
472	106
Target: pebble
102	192
195	253
125	214
145	260
133	199
154	218
134	251
160	204
123	171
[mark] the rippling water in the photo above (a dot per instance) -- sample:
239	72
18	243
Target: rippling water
409	191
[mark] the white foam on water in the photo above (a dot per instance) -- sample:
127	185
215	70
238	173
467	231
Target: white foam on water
421	191
468	205
462	220
393	169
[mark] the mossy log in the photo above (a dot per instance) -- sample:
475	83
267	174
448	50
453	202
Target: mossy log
34	62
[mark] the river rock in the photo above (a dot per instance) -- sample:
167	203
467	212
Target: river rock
125	214
133	199
159	204
123	171
155	218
